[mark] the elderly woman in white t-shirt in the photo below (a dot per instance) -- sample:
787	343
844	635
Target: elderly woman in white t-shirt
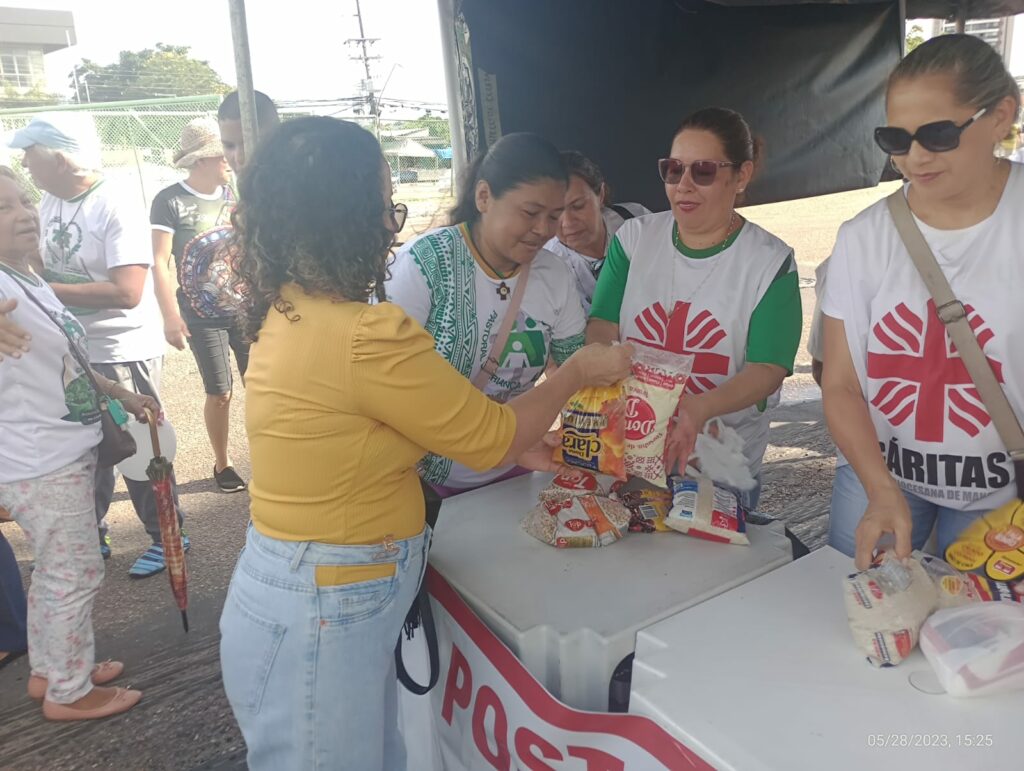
49	421
901	406
588	223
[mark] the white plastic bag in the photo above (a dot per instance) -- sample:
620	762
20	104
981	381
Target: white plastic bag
976	650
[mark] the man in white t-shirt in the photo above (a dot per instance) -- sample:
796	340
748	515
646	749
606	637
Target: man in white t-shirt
97	259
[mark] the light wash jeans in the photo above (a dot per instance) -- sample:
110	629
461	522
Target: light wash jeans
849	501
309	670
56	512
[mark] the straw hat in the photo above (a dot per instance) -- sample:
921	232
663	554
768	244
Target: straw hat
199	139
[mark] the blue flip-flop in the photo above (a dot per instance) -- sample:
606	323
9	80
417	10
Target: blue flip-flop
152	560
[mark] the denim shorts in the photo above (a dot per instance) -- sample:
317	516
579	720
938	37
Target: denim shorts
210	347
309	669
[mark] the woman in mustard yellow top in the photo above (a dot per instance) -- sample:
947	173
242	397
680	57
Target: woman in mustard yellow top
343	399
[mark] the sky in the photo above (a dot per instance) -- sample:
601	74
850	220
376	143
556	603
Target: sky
298	49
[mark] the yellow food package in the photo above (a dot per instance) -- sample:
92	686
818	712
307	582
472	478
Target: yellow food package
994	542
594	431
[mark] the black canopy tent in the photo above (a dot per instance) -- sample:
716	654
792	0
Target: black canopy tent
613	79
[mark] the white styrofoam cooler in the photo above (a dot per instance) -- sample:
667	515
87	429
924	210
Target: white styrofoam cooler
766	677
571	615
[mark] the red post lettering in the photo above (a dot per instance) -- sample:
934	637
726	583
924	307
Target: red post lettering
500	758
458	688
526	742
597	760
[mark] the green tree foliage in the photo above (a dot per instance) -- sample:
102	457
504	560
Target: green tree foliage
914	38
165	71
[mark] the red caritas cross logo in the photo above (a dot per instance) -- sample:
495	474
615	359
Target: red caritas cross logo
922	374
678	333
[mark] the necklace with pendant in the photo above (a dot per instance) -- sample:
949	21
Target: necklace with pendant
503	290
675	263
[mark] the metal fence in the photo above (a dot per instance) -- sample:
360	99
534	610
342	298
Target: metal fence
138	140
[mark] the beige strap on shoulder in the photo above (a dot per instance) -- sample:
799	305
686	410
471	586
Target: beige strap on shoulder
491	364
953	315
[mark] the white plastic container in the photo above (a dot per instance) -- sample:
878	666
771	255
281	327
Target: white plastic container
766	677
571	615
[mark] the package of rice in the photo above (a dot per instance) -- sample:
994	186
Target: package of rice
648	508
703	509
581	522
652	396
886	606
573	483
593	431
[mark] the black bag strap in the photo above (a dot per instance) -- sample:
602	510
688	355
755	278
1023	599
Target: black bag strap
421	615
75	352
622	211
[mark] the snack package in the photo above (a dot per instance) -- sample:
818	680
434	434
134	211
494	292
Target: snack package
581	522
593	428
573	483
652	396
956	589
994	543
702	509
977	650
886	606
648	509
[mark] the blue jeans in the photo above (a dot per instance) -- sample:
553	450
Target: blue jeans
13	608
309	669
849	501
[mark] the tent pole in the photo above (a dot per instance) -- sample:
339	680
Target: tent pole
243	75
456	121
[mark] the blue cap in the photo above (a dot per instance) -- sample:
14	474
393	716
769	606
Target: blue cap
69	132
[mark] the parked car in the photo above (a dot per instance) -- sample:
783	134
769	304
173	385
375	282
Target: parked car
408	175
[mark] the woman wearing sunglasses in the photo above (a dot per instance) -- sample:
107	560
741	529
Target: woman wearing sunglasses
460	281
892	379
588	223
701	279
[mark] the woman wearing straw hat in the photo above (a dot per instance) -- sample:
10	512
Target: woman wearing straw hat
181	213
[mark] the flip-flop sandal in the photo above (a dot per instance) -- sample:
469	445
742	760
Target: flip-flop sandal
102	673
10	657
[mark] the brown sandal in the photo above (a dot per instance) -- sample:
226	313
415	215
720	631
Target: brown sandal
102	673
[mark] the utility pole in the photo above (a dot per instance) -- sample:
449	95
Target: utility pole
364	44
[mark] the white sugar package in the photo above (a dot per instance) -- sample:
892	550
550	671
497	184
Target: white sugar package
886	606
977	649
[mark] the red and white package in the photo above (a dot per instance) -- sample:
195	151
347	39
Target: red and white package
652	396
573	483
703	509
582	522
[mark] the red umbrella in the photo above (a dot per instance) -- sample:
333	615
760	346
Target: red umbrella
160	471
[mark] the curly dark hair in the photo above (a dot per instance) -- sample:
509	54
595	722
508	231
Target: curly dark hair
311	212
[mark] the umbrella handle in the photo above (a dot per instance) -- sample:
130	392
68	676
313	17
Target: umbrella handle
151	420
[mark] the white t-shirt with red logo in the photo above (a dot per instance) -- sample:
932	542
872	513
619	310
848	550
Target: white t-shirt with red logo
933	430
702	306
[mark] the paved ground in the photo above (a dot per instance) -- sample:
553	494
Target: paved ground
184	721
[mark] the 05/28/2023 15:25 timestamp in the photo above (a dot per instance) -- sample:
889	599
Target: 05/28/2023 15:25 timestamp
929	740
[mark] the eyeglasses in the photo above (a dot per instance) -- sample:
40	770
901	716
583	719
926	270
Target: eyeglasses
703	173
399	211
939	137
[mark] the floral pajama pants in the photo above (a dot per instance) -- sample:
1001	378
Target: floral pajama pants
57	512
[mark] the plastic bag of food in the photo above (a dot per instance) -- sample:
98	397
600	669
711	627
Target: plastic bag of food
994	542
956	589
593	431
648	509
976	650
886	606
719	450
581	522
573	483
652	396
703	509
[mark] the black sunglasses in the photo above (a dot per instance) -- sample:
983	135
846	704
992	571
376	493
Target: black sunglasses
399	211
703	173
939	137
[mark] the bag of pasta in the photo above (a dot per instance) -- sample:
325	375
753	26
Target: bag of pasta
593	431
581	522
652	396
